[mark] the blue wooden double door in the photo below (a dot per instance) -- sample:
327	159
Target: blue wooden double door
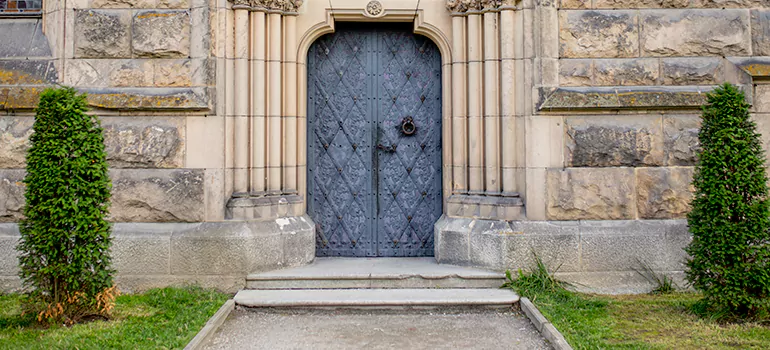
374	141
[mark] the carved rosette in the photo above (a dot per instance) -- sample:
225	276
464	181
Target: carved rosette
373	8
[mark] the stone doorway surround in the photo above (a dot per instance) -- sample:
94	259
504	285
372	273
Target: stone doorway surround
266	158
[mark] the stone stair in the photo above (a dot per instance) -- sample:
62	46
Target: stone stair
376	282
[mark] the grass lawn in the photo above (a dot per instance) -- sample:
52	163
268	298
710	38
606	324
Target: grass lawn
644	322
159	319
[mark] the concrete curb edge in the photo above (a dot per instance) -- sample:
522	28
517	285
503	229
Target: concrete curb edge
543	325
211	327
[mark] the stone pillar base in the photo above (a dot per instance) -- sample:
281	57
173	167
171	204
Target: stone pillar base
264	208
486	207
600	255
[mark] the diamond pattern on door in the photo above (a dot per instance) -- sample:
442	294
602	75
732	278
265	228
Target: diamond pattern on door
372	189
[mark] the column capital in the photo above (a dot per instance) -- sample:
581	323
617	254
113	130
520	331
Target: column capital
457	5
274	5
490	5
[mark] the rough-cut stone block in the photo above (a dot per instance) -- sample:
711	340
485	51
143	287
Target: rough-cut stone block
27	72
102	33
624	245
575	4
151	142
692	71
172	73
161	34
663	193
575	73
590	194
173	195
680	139
614	141
173	4
137	4
760	32
556	243
11	195
14	141
743	4
638	71
131	73
624	4
695	33
598	34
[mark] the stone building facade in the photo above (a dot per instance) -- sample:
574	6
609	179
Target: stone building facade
566	128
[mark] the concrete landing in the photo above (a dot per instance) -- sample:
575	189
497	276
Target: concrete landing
365	298
356	273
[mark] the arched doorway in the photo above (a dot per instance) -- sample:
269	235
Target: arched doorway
374	141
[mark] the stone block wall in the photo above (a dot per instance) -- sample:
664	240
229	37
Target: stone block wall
620	83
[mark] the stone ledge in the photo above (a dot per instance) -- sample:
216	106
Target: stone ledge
197	98
758	66
581	250
572	98
215	254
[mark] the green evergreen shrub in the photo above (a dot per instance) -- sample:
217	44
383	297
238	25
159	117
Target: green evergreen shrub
730	251
65	237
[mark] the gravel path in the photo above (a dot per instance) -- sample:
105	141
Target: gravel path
377	329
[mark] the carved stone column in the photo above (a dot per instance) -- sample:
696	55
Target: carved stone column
491	98
258	101
264	128
508	97
486	153
459	111
475	93
241	117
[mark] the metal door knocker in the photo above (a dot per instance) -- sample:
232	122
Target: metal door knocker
407	126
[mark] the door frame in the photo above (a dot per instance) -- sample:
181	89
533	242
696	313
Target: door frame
376	116
421	27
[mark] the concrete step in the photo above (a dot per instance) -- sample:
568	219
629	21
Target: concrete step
377	298
385	273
